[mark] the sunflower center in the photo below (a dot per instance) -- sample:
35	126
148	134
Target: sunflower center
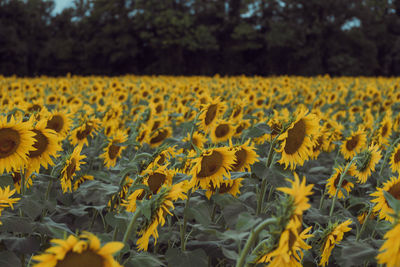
337	179
84	133
397	156
113	150
210	114
352	143
40	145
295	137
155	181
34	108
240	129
237	111
221	130
395	191
71	169
210	164
84	259
224	188
9	142
161	135
16	176
56	123
161	160
384	130
241	156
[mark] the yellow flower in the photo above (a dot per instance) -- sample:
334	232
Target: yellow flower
81	180
333	181
389	253
16	140
82	251
210	113
395	159
113	150
353	144
333	238
211	166
245	156
297	142
299	192
221	131
226	187
72	165
368	162
6	200
393	187
80	134
60	122
157	137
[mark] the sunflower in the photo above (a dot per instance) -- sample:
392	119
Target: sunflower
299	192
332	238
130	202
395	159
60	122
245	156
353	144
72	165
6	200
162	204
385	129
157	137
367	163
81	180
393	187
155	179
240	127
16	140
297	140
113	150
198	140
221	131
47	145
389	252
17	179
290	248
79	251
210	114
80	134
333	181
226	187
211	166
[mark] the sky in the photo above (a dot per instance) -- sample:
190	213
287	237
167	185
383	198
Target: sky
61	4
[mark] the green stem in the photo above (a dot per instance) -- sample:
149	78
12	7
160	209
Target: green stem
261	196
184	225
250	240
363	225
321	203
129	229
46	197
340	185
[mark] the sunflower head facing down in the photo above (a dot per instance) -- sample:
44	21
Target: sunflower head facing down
81	251
211	166
367	162
72	165
333	181
16	141
382	206
297	141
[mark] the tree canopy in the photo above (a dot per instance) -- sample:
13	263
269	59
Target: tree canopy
201	37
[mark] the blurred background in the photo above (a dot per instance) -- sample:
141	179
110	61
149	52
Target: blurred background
200	37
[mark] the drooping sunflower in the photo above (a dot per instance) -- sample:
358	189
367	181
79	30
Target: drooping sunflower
297	142
367	163
16	140
231	186
221	131
332	238
60	122
393	187
395	159
80	134
245	156
162	204
210	114
389	252
333	181
157	137
211	166
130	202
155	179
113	150
72	165
47	144
353	144
79	251
290	248
299	192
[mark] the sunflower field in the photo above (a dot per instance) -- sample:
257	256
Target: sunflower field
199	171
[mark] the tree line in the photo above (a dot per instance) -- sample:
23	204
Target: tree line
201	37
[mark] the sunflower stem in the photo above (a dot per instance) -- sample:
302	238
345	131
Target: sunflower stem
184	224
363	225
46	197
251	239
340	185
129	229
261	196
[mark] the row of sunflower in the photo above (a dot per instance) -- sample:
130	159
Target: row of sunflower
168	169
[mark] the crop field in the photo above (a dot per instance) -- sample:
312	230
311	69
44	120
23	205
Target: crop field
199	171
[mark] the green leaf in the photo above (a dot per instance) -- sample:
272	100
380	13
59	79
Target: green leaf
393	202
144	259
195	258
6	180
246	221
354	253
230	254
31	207
9	259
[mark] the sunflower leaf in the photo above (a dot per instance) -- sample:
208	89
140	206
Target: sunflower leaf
393	202
9	259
